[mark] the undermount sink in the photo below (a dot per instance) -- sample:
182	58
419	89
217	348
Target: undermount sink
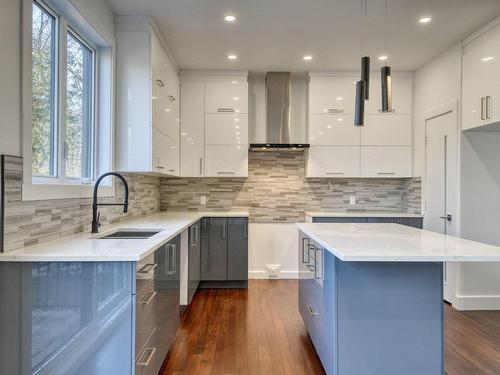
130	234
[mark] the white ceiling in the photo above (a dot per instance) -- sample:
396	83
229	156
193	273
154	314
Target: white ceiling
275	34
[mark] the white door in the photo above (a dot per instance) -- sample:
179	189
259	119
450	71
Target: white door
441	183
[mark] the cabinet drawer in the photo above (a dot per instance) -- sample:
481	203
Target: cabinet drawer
146	270
333	130
226	97
226	129
146	315
386	161
226	161
149	360
332	95
333	161
387	130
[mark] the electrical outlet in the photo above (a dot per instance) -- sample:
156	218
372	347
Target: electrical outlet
352	199
203	200
273	270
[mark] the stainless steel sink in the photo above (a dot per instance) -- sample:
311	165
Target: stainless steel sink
130	234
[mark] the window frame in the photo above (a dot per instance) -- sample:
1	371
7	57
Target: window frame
63	27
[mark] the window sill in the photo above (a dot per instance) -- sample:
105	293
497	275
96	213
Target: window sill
37	191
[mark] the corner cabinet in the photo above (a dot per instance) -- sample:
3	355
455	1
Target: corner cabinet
214	126
481	80
147	100
339	149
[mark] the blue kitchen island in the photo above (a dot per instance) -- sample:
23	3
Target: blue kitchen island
371	295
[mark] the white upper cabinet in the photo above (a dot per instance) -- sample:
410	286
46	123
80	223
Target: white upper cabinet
226	96
147	100
333	130
192	129
481	80
214	126
387	130
386	161
402	95
333	161
331	94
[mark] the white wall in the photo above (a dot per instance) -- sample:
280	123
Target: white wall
10	77
94	11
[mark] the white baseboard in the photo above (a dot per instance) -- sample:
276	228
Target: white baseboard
282	275
463	303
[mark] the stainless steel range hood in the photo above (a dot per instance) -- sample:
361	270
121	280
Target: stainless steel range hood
278	93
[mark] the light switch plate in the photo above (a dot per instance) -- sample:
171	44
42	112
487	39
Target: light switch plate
203	200
352	199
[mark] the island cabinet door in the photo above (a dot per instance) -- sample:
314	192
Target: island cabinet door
194	259
214	254
237	249
303	261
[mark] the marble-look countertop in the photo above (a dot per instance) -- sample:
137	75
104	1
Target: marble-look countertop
86	247
361	214
395	243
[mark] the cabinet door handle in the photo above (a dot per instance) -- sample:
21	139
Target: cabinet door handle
304	240
223	230
482	108
386	173
488	107
334	173
146	356
160	167
172	98
311	310
201	166
225	172
194	235
333	110
245	231
160	82
318	267
170	259
147	268
225	110
147	298
382	111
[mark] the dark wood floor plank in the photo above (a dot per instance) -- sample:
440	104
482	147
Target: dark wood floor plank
259	331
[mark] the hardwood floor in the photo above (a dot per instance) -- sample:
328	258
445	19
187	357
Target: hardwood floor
259	331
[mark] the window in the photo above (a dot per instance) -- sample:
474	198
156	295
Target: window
63	98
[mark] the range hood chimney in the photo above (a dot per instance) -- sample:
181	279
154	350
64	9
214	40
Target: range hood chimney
278	93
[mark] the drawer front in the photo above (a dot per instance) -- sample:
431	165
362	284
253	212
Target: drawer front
333	161
146	315
386	161
149	359
146	270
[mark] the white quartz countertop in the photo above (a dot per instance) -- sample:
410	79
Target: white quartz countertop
86	247
394	243
361	214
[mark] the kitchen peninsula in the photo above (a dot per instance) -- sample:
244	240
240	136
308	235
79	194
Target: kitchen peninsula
369	292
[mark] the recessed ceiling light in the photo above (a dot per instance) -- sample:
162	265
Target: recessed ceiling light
230	18
488	58
232	57
383	58
307	57
425	19
234	82
339	98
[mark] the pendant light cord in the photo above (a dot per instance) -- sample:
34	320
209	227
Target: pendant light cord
364	17
386	27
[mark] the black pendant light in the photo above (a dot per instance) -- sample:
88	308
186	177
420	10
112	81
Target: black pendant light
359	114
365	75
363	85
385	76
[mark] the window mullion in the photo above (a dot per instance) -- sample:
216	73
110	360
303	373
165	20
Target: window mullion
63	27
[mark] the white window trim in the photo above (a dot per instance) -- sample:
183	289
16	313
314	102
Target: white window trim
40	188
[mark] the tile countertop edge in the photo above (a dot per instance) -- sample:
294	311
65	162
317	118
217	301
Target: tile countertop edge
85	247
492	256
362	214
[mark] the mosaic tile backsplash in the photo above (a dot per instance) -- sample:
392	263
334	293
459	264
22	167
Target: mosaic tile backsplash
276	190
31	222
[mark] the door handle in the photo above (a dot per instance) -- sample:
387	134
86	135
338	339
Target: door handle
223	230
304	240
448	217
488	107
482	108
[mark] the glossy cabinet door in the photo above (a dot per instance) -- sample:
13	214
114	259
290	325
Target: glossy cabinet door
226	129
166	154
332	94
333	161
237	249
327	326
386	161
387	130
402	95
194	256
333	130
192	129
226	161
306	279
226	96
214	254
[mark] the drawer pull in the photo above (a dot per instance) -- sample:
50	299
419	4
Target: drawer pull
160	82
148	297
305	243
172	98
333	110
311	310
382	111
335	173
147	268
386	173
146	356
223	172
311	268
225	110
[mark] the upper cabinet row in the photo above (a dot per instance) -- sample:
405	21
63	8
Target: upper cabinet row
214	126
147	101
481	80
380	148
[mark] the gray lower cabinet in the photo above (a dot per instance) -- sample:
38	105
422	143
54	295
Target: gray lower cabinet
416	222
157	307
194	259
224	251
